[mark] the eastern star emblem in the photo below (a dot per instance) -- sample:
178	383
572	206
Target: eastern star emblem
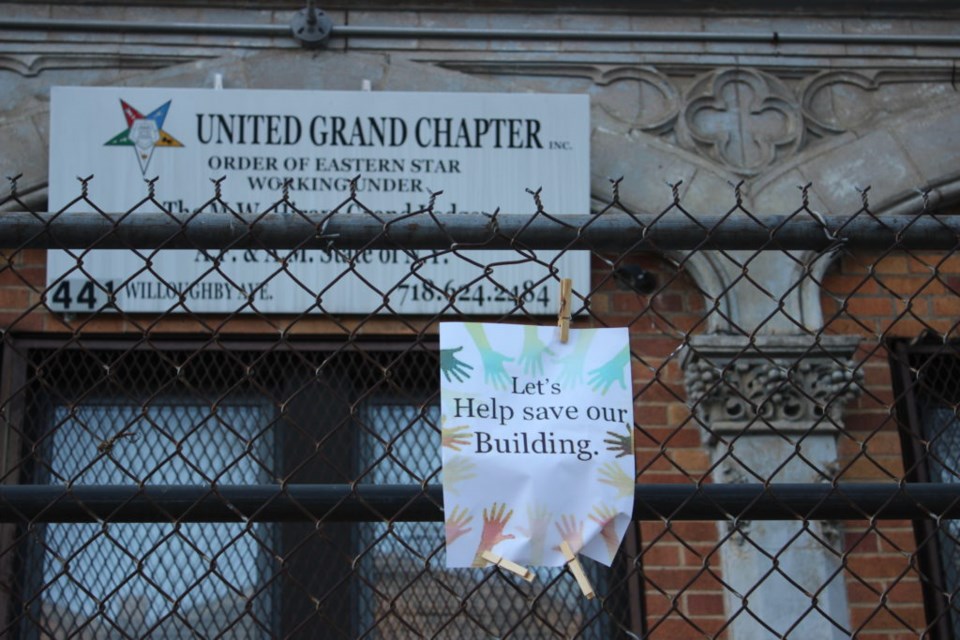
144	132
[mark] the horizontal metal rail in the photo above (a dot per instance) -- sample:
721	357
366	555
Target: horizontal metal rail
773	38
613	231
413	503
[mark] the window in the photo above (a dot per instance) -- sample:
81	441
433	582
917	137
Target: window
192	413
927	385
175	580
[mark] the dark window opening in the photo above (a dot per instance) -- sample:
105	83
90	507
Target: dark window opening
927	387
192	414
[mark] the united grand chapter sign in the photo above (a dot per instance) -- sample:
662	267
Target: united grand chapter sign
483	151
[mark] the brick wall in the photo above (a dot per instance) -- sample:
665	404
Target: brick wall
884	297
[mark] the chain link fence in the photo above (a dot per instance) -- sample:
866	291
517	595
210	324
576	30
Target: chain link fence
223	423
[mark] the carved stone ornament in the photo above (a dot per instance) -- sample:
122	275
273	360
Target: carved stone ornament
743	119
784	383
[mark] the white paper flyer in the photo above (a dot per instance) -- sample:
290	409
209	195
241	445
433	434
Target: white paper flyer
537	442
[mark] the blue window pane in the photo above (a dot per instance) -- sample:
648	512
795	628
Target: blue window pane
187	580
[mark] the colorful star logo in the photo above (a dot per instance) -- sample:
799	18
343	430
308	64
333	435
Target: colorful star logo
144	132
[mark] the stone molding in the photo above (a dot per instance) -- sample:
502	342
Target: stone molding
787	385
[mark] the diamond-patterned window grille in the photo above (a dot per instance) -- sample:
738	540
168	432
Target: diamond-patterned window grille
186	414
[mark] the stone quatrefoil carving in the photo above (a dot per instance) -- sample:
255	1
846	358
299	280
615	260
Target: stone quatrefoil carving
741	118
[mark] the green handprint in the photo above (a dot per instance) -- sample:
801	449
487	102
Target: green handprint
609	372
572	372
493	371
531	358
456	470
613	475
453	368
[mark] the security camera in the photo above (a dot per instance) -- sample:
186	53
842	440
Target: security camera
636	278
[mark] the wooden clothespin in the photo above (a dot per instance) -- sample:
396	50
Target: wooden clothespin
577	570
509	565
563	315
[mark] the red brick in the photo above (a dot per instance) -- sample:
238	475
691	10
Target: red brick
695	531
884	443
34	257
865	307
863	594
704	604
661	554
893	263
17	298
947	306
657	604
676	578
845	285
659	392
675	628
669	302
876	618
692	461
650	414
876	565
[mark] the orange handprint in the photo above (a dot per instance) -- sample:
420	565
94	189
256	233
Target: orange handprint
571	531
456	524
454	437
604	516
494	523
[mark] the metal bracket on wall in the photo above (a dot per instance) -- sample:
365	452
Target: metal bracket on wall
311	26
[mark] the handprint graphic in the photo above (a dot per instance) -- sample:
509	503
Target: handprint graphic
531	357
456	470
494	522
609	372
605	517
572	371
538	519
571	531
454	437
453	368
622	443
456	524
613	475
493	371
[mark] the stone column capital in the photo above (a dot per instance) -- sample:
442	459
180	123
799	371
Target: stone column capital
761	385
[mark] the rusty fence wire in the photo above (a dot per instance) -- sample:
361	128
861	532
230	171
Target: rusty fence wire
225	424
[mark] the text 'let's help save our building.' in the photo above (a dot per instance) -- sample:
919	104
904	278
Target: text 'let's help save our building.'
483	151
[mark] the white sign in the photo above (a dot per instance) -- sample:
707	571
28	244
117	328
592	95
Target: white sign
483	151
537	442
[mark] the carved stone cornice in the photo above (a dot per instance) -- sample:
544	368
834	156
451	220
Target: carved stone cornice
743	119
770	384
